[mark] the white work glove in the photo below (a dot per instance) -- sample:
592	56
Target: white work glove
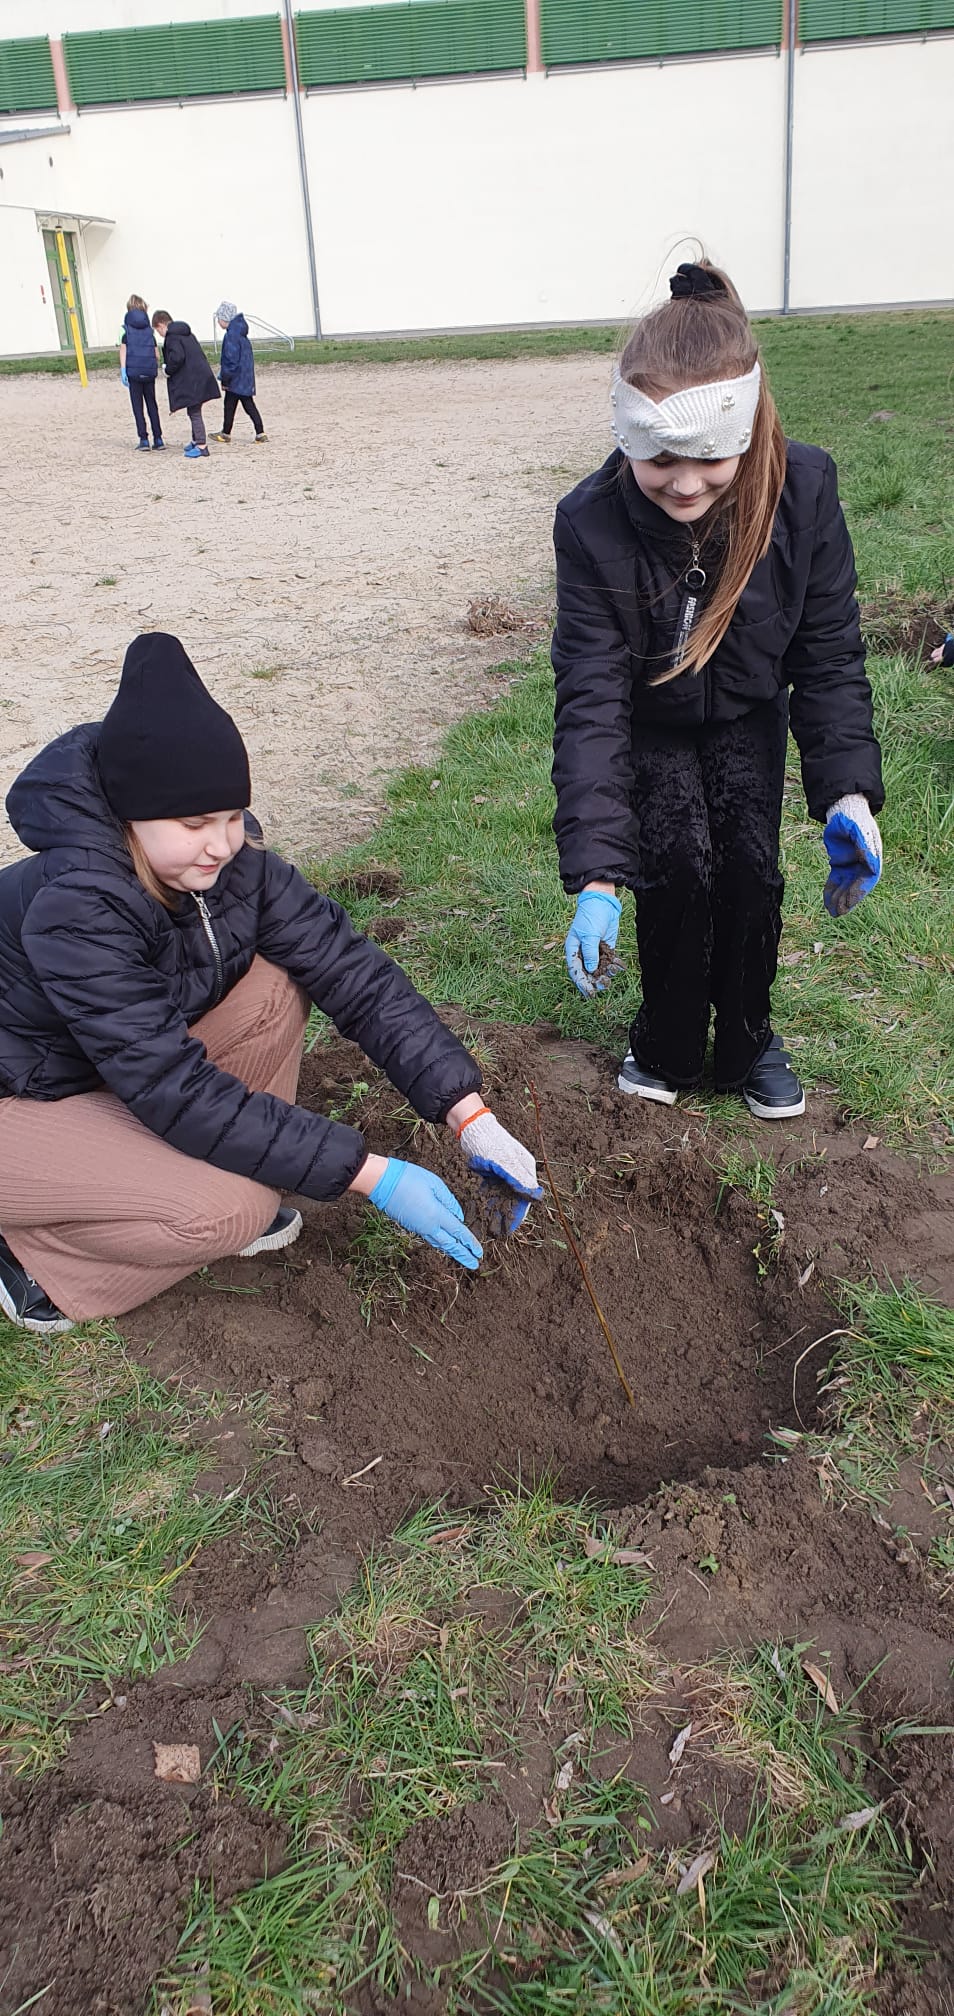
498	1157
853	845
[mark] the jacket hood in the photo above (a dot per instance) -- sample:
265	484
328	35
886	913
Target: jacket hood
136	318
239	324
181	328
58	800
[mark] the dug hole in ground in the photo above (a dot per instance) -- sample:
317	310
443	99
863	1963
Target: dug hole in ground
395	1381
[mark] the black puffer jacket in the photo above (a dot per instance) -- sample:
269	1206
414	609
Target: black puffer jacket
621	564
189	375
98	984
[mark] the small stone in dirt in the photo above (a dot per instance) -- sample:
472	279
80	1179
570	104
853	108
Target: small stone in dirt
177	1763
319	1455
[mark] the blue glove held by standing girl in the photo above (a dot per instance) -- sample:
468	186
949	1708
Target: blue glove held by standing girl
421	1203
597	917
853	843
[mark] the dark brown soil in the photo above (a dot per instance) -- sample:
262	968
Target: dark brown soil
100	1858
456	1381
898	621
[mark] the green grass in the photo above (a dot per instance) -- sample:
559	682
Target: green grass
99	1521
889	1394
413	1706
865	1003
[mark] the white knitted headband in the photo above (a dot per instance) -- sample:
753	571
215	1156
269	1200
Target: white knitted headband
703	423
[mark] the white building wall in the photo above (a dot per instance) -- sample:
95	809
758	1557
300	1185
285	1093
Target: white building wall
544	199
498	200
873	188
206	200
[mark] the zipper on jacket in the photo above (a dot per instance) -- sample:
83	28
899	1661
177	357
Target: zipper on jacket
200	904
695	581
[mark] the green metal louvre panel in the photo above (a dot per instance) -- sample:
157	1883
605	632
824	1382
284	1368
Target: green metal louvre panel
607	31
187	59
26	76
829	20
420	38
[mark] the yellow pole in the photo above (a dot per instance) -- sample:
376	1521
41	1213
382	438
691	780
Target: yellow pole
71	308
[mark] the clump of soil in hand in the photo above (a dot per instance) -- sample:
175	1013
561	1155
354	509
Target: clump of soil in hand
610	963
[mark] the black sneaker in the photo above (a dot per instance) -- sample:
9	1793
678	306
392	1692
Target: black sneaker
771	1090
283	1231
24	1302
633	1078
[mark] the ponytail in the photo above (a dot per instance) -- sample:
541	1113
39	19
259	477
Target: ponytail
699	336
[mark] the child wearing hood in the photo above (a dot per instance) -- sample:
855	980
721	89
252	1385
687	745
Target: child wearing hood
237	371
189	376
157	965
138	369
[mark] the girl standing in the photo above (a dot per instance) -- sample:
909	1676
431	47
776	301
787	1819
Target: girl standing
156	969
703	574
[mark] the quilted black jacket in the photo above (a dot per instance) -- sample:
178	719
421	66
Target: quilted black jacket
621	593
99	983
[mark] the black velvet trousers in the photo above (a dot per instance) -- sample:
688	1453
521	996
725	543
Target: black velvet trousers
708	806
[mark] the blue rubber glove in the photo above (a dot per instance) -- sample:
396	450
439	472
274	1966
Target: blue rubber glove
597	916
123	375
420	1202
853	844
499	1159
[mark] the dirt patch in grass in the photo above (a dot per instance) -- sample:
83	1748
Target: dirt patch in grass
100	1858
401	1380
395	1381
898	621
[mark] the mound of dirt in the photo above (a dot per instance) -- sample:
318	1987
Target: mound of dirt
402	1380
898	621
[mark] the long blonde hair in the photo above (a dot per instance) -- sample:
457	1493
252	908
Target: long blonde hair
144	873
696	339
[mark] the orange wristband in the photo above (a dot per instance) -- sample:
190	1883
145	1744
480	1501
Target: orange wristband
481	1110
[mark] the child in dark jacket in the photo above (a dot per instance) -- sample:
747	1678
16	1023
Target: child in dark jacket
189	376
237	371
157	964
138	368
702	572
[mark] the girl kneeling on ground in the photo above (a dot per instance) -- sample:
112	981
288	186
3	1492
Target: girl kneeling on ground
702	572
157	965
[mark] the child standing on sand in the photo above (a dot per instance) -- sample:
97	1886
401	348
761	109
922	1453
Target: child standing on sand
189	376
237	371
138	369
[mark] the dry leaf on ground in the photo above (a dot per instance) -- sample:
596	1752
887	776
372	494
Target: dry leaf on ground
178	1763
822	1682
863	1818
680	1744
697	1869
564	1776
621	1557
33	1559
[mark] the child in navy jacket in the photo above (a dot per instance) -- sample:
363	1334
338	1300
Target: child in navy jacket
138	368
237	371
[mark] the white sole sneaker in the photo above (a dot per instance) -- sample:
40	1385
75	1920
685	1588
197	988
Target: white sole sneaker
763	1112
272	1242
647	1088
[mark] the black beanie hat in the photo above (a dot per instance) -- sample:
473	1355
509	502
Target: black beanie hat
167	750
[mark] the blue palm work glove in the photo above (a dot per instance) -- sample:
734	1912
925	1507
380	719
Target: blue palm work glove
853	843
123	375
420	1202
597	917
499	1158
